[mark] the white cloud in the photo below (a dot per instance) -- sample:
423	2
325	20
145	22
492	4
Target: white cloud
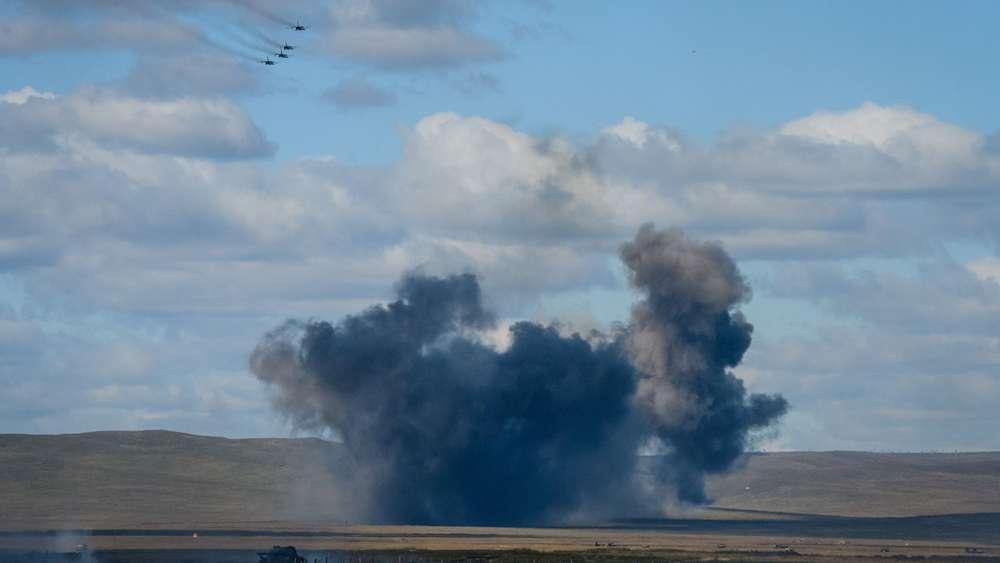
872	151
926	152
149	225
886	128
205	128
986	269
639	134
187	127
18	97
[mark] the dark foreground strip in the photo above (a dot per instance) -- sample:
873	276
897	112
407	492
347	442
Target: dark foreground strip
246	533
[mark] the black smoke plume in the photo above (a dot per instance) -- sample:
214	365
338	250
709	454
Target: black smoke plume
445	429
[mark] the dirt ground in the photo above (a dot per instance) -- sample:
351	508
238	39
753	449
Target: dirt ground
944	538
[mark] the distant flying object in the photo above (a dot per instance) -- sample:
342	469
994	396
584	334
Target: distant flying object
266	61
281	55
287	47
298	27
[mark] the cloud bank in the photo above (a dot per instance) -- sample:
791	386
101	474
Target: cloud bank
194	232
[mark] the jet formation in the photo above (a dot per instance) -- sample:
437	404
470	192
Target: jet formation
283	50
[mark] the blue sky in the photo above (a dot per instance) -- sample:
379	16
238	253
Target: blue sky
166	200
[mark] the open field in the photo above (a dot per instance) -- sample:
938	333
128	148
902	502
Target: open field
142	496
810	539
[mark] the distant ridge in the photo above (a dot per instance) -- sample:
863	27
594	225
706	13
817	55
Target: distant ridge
158	478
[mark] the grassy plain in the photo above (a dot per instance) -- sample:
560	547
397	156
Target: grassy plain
143	496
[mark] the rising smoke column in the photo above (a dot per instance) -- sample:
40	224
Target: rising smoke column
682	339
444	429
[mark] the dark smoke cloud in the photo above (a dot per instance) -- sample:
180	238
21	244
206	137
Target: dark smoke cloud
682	338
444	429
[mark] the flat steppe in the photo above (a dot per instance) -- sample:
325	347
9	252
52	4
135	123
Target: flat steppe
156	490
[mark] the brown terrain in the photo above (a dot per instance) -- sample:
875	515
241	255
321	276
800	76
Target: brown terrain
166	496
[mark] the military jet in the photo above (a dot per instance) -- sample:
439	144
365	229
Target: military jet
298	26
266	61
281	55
287	47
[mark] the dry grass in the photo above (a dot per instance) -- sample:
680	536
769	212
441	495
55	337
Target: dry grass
110	479
250	494
864	484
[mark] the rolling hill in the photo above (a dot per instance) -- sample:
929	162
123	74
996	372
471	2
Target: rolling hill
159	478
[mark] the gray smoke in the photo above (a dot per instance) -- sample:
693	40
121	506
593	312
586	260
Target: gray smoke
262	36
682	338
445	429
236	35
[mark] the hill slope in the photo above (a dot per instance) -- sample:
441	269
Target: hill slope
156	478
863	484
131	478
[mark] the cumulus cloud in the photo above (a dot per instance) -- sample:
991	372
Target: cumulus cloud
923	152
986	269
185	224
891	129
871	150
766	195
197	128
192	127
19	97
531	214
485	179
